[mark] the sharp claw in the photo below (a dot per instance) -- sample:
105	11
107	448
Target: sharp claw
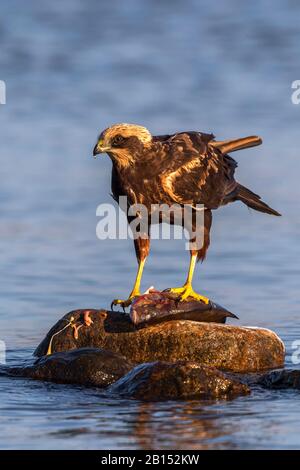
123	308
184	297
112	306
185	292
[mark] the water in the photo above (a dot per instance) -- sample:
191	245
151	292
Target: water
71	68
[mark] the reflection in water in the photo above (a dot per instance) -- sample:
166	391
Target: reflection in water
72	70
178	426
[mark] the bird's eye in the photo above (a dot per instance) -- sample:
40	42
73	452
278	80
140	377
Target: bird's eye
117	140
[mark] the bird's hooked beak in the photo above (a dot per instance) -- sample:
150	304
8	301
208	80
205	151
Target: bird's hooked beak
100	148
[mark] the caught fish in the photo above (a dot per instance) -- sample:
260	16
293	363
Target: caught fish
155	307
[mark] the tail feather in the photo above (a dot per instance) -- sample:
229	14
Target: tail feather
227	146
253	200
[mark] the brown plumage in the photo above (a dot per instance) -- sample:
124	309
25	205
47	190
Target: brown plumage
184	168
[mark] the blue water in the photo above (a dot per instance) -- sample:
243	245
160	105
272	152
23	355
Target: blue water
71	69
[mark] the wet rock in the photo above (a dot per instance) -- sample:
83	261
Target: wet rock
182	380
156	307
280	379
85	366
233	348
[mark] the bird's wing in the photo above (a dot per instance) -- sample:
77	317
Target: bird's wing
194	172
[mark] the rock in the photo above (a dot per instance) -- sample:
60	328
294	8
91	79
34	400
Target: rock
84	366
280	379
232	348
182	380
156	307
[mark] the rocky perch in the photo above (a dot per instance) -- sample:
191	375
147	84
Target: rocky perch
161	351
85	366
150	382
183	380
225	347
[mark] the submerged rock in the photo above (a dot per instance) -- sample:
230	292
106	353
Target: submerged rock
182	380
232	348
280	379
85	366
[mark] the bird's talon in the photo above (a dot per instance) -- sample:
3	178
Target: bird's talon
124	303
187	292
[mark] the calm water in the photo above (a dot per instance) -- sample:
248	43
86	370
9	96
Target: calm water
72	68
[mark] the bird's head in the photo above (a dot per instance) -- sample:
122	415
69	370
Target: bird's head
123	142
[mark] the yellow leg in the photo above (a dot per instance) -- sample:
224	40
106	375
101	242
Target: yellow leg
136	288
187	290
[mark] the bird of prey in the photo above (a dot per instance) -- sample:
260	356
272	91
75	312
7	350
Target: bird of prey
184	168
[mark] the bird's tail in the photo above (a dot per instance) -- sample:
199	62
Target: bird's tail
232	145
253	200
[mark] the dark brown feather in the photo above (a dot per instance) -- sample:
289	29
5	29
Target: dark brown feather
184	168
232	145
